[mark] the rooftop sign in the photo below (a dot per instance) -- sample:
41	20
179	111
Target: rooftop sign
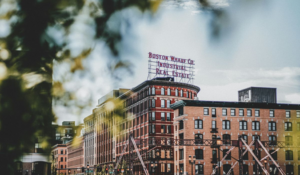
170	66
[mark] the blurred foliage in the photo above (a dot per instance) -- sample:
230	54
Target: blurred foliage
27	56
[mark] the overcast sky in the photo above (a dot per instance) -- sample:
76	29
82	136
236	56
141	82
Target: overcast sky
259	46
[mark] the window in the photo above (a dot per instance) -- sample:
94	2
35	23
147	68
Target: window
181	169
187	94
213	112
180	124
61	151
163	129
272	140
168	116
228	157
180	110
245	156
273	170
289	169
61	159
162	167
181	93
153	103
232	112
256	112
181	136
298	126
176	92
162	91
241	112
180	154
287	114
199	169
61	166
169	91
214	156
199	153
255	136
163	116
153	90
152	128
226	168
255	125
149	91
288	126
288	140
168	103
299	155
245	137
169	129
168	167
245	169
224	112
226	124
162	103
288	155
272	126
298	114
205	112
243	125
198	124
198	139
273	154
249	112
271	113
226	138
213	124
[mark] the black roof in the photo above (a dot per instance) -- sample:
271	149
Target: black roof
234	104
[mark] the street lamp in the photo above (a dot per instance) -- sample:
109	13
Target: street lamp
265	161
192	161
88	168
219	144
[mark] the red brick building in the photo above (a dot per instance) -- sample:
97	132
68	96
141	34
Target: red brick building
147	116
208	119
60	158
75	156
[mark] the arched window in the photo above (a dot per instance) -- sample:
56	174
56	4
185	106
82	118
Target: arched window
153	90
198	124
169	91
162	91
176	92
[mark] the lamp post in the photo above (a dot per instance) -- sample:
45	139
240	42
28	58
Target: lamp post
88	168
219	144
265	161
192	162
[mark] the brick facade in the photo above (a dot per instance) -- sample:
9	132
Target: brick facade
236	113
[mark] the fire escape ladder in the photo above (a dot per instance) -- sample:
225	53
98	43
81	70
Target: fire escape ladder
237	161
276	164
224	157
120	158
139	155
254	156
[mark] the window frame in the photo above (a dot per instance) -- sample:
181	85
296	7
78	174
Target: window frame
232	112
205	111
153	90
272	113
257	113
287	114
168	91
200	155
255	125
226	124
162	116
241	112
242	126
162	91
271	125
249	112
198	124
224	112
162	103
288	128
